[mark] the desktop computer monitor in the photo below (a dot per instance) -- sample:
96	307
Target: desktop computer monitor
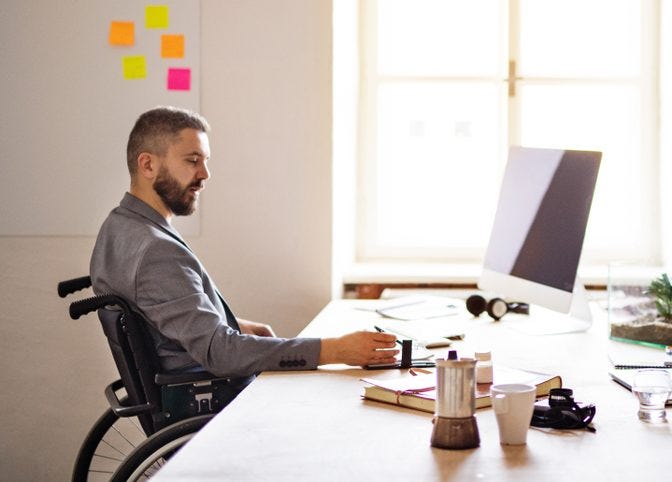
539	227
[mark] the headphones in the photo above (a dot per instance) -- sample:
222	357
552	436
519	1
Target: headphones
496	307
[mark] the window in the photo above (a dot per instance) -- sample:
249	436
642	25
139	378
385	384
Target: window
447	85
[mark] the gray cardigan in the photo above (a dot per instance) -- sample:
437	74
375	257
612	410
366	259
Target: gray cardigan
139	256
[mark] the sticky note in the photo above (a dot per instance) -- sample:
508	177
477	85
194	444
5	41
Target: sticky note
172	46
179	79
122	33
135	67
156	16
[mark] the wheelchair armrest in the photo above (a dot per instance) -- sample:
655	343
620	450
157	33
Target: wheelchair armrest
183	377
116	405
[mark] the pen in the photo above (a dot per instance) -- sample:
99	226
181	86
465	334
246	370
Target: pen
380	330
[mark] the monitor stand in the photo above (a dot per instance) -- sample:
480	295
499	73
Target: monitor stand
543	321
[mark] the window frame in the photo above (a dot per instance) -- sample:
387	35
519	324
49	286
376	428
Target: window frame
366	251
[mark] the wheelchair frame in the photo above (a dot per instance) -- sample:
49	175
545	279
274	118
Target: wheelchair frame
169	407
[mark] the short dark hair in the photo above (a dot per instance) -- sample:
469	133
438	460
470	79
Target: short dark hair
155	129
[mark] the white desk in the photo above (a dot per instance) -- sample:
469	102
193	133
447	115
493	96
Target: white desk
314	426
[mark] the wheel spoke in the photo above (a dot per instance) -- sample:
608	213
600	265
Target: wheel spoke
107	457
108	444
124	436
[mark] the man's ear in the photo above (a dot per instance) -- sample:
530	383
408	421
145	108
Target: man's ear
148	166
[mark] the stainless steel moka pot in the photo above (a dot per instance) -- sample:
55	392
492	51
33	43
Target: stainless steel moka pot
454	421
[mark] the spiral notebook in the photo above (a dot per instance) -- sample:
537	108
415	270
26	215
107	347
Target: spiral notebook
625	355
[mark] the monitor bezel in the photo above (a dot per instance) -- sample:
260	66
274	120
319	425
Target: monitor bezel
519	289
514	288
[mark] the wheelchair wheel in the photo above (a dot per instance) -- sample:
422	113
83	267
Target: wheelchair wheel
106	447
148	457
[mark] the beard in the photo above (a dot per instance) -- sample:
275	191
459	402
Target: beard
178	199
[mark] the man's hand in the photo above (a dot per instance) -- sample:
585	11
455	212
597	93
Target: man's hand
253	328
360	348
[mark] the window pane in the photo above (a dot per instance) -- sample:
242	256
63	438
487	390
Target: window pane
604	118
579	38
440	37
436	144
435	127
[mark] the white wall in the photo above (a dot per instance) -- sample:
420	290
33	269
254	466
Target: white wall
265	224
266	219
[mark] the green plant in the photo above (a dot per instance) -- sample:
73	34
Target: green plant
661	288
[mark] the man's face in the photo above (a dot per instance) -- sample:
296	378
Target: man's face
182	172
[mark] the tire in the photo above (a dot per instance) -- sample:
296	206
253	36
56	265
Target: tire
148	457
107	445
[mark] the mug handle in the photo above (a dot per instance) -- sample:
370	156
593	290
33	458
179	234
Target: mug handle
500	403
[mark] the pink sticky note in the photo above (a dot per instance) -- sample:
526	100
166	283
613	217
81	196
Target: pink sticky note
179	79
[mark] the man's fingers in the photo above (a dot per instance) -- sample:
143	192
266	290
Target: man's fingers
382	361
384	356
384	337
384	346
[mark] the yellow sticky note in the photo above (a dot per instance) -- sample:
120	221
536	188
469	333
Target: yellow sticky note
135	67
172	46
122	33
156	16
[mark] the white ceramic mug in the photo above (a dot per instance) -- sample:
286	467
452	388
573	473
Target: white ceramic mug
514	405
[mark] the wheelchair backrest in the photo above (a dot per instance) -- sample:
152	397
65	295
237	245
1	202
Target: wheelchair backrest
135	358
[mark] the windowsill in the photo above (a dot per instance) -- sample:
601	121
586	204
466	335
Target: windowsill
393	273
462	274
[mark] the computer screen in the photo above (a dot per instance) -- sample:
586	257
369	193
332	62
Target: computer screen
540	224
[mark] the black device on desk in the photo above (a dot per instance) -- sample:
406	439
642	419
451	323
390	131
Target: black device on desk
496	307
406	359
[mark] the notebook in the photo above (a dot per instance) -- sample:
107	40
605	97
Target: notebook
417	307
631	355
426	333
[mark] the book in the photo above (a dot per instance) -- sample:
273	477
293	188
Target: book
419	392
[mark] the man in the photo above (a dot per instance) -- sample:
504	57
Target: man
139	256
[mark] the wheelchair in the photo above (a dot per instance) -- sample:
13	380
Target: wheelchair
151	414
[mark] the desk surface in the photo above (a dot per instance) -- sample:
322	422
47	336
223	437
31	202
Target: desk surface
314	426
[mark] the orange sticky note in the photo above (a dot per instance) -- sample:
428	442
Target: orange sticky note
156	16
172	46
122	33
135	67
